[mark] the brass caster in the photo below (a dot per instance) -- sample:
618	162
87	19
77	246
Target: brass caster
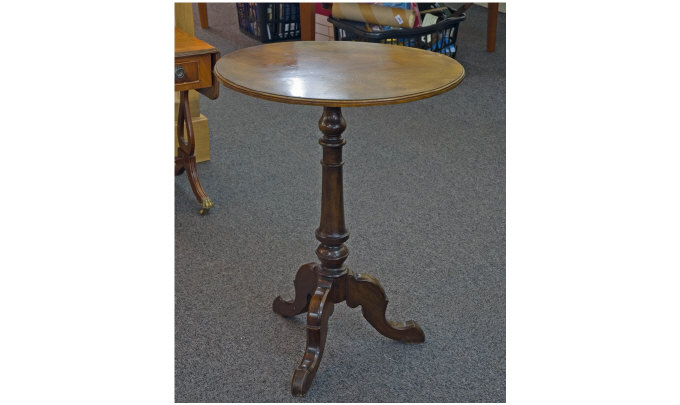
207	204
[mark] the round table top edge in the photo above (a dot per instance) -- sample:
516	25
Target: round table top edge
341	103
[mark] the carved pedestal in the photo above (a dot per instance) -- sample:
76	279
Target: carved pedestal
319	286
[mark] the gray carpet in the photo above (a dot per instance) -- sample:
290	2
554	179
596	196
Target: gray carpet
425	207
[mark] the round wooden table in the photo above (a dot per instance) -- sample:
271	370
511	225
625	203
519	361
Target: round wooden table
334	75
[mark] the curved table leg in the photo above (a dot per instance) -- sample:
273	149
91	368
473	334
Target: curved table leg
305	285
366	291
185	159
320	309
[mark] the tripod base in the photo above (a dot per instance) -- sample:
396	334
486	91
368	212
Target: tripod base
317	294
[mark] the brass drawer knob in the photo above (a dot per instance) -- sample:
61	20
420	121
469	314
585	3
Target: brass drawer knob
179	73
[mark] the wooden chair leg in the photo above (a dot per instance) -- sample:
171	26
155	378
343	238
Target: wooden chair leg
491	26
307	23
203	14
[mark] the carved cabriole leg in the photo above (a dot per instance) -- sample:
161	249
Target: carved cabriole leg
185	159
305	285
366	291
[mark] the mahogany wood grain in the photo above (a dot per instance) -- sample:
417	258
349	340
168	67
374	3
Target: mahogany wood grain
338	73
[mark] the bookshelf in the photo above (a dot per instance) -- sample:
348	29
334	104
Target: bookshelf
269	22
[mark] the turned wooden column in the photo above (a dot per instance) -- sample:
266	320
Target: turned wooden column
332	233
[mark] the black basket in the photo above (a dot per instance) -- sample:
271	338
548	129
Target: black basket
440	37
269	22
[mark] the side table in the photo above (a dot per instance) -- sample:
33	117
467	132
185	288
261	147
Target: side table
194	62
333	75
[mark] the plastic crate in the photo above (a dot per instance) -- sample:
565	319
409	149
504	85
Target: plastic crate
269	22
440	37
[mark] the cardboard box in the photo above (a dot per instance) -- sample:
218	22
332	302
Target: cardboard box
202	140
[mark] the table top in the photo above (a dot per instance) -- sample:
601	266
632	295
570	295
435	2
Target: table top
338	73
186	45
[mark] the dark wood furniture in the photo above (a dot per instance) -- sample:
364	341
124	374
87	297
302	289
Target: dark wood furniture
334	75
307	21
491	23
491	27
194	62
203	14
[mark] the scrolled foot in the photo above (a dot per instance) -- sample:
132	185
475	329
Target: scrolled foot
305	284
364	290
320	309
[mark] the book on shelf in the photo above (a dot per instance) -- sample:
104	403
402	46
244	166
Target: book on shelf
296	17
241	15
286	19
280	18
270	21
270	17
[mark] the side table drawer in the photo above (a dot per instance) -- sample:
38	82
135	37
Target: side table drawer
193	72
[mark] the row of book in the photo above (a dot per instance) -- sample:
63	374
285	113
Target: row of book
269	21
283	20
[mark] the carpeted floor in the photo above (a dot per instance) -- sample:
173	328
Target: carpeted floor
425	207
